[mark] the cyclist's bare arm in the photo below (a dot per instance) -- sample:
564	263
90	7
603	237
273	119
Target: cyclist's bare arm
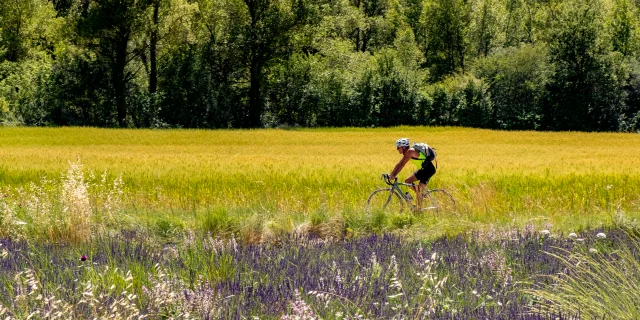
405	158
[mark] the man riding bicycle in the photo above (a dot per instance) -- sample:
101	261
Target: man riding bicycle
418	155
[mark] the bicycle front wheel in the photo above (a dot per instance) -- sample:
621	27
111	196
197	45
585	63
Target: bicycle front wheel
438	200
385	201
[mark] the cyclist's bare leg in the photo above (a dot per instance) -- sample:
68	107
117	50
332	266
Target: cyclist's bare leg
417	189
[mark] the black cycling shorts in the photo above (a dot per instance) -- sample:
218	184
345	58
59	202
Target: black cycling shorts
427	171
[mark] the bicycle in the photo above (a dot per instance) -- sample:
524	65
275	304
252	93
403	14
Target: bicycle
393	199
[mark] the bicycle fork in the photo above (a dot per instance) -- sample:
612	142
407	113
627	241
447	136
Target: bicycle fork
391	191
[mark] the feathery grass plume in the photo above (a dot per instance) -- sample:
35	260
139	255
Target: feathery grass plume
39	202
594	285
75	205
112	302
10	226
170	298
71	209
31	299
106	197
42	209
496	261
397	297
430	296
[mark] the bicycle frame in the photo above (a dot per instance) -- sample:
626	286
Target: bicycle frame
396	189
427	195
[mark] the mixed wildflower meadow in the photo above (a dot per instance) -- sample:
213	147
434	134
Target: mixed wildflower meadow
235	224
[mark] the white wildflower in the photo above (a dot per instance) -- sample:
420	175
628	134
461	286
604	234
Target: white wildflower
601	235
593	250
573	235
299	309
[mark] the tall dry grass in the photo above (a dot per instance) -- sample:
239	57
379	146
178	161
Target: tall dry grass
596	283
265	182
71	209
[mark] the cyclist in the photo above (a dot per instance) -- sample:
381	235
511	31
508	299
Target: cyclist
425	171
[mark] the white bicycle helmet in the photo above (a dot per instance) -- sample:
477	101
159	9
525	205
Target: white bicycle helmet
402	142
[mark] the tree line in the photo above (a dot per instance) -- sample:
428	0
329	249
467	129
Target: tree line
502	64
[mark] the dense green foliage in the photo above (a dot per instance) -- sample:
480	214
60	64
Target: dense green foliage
505	64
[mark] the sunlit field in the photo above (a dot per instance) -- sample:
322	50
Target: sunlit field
255	182
233	224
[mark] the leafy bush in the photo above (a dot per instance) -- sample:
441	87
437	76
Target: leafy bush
515	80
461	100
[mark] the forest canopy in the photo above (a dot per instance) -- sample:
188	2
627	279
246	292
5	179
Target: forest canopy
501	64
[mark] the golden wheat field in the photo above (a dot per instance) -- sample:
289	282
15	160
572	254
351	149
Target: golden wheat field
283	179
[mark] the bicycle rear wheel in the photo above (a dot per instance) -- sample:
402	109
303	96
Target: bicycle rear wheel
384	200
438	200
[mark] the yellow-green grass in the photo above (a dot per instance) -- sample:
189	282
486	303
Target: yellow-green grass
280	179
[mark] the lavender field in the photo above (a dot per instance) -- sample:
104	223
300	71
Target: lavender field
472	276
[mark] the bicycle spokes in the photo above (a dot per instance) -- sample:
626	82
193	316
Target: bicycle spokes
384	200
438	200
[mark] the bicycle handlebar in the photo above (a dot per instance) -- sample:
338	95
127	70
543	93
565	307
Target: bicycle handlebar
385	177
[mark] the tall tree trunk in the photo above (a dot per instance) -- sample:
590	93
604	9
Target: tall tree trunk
153	73
252	118
118	77
255	98
483	43
85	8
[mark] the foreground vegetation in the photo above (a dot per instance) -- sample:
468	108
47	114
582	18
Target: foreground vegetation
490	276
270	223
